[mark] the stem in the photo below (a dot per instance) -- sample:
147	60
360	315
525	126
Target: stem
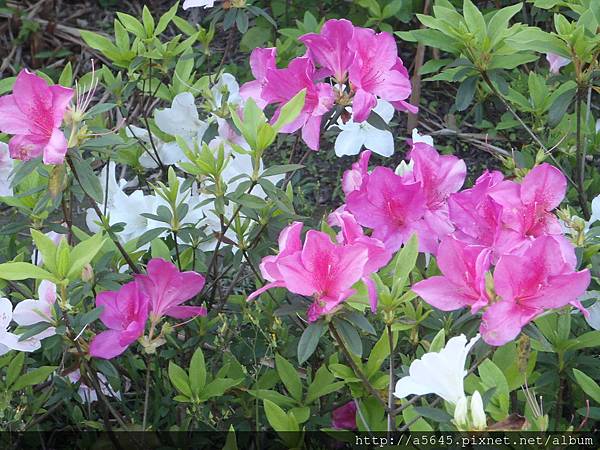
147	394
357	371
391	412
581	158
123	252
174	233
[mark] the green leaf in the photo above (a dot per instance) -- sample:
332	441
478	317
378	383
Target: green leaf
289	112
350	336
465	94
474	19
217	388
179	379
438	341
498	24
273	396
23	271
66	76
83	253
289	377
405	263
589	386
277	417
309	341
380	351
323	384
278	170
132	24
166	19
493	378
197	372
33	377
14	368
230	441
88	180
46	247
559	107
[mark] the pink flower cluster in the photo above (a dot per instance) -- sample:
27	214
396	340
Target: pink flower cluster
33	113
364	66
157	294
323	269
498	226
498	244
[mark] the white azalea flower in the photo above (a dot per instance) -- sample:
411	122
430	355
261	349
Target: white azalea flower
227	84
6	167
29	312
441	373
355	135
123	208
10	341
198	3
423	138
89	394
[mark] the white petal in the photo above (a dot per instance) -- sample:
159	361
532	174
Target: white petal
385	110
417	137
349	141
379	141
28	312
6	312
11	340
181	119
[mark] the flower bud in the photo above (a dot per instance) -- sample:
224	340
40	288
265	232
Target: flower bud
87	273
477	412
460	414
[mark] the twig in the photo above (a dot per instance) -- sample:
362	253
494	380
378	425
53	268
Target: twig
580	151
357	371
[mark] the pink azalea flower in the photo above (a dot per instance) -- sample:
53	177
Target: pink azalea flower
282	85
330	48
463	281
125	313
389	205
33	113
556	62
542	278
439	176
528	208
289	243
352	179
321	269
377	254
374	72
344	417
477	216
167	288
262	60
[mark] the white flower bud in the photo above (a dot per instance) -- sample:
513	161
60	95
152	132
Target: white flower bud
460	414
477	413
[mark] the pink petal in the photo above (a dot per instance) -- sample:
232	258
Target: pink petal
544	185
503	321
362	105
106	345
13	120
56	148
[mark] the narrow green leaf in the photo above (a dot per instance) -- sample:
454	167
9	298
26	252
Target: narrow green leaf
309	341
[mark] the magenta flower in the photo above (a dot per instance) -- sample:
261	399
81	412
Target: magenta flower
439	176
289	243
330	48
344	417
167	288
261	61
390	206
374	72
125	313
477	216
282	85
33	113
542	278
528	208
463	281
352	179
377	254
321	269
